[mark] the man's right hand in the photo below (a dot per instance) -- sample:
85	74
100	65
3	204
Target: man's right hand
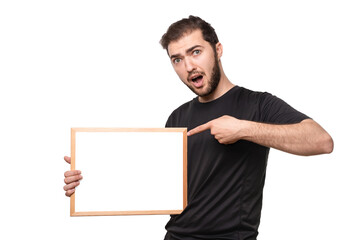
72	179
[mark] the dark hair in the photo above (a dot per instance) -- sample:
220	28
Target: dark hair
187	25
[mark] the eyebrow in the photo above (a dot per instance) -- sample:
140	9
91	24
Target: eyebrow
187	51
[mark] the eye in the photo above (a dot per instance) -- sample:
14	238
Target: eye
196	52
176	60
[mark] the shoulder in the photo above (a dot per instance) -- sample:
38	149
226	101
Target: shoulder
183	108
251	97
177	117
266	107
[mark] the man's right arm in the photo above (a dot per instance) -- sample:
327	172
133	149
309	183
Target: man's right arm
72	179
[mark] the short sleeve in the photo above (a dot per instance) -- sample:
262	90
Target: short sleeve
274	110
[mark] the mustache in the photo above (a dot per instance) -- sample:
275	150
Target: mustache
192	73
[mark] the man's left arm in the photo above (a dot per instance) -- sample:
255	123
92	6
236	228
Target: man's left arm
305	138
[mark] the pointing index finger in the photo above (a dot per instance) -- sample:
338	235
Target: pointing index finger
199	129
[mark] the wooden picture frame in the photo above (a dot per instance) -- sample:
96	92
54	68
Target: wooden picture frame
129	171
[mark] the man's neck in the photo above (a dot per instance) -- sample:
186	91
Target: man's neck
223	86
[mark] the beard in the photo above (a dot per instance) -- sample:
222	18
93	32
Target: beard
214	80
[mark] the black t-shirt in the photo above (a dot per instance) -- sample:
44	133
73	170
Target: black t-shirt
225	182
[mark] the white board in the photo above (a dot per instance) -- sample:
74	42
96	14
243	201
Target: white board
129	171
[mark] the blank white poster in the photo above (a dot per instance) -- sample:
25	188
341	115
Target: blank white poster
129	171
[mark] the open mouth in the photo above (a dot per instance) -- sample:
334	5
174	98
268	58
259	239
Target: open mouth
196	79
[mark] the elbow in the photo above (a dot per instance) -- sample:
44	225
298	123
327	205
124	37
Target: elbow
330	145
326	145
321	143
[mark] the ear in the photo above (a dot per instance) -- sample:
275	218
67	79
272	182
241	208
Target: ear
219	49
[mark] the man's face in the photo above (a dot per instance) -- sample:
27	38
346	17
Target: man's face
196	63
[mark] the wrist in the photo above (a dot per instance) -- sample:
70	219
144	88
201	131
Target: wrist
246	130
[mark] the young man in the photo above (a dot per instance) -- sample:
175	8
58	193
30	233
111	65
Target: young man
231	131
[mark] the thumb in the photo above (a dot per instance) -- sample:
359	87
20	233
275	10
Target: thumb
67	159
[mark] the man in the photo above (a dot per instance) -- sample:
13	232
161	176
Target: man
232	129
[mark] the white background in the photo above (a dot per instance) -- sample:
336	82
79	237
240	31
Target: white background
75	63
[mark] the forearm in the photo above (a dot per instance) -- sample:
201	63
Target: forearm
305	138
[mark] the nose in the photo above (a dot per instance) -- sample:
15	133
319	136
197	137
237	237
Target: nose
189	65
